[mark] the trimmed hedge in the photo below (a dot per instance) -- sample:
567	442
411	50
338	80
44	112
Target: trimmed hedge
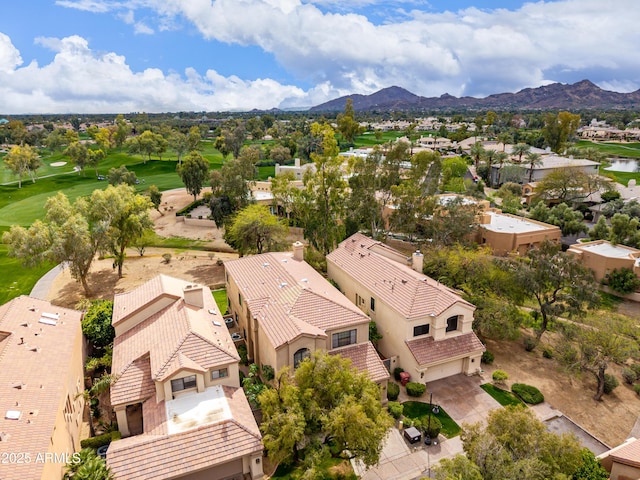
100	440
415	389
610	383
393	390
396	373
487	357
395	409
527	393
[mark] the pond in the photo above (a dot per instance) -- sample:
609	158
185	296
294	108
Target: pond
624	165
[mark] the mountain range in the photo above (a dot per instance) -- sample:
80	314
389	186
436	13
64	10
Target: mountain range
556	96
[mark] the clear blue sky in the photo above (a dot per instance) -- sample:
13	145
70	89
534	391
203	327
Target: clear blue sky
210	55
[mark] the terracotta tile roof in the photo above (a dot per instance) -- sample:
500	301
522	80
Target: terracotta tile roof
35	367
290	298
134	382
163	456
364	357
178	336
628	455
408	292
426	351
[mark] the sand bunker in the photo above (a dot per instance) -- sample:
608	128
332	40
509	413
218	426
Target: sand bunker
58	164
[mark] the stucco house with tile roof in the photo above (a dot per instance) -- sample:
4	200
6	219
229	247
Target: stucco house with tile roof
623	461
177	394
41	376
425	326
286	311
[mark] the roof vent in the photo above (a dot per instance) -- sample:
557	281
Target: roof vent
212	311
4	436
217	324
48	321
34	349
283	284
13	415
19	385
265	264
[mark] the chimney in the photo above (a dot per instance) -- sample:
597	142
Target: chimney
194	296
417	261
296	162
298	251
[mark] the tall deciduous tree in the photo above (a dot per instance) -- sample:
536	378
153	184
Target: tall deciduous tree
568	185
79	155
21	160
558	129
147	144
330	401
557	281
127	216
254	230
194	171
231	187
347	124
515	444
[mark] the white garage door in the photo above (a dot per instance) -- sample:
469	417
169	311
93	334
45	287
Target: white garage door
444	370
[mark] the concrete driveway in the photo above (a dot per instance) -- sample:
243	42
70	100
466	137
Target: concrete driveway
465	402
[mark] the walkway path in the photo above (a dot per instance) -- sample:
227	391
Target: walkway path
43	286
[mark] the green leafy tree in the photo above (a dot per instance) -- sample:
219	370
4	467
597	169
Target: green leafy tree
569	220
147	144
452	223
600	230
515	444
558	282
280	154
194	171
95	157
328	400
155	195
122	131
623	280
624	230
533	160
591	349
231	187
180	144
126	215
457	468
79	155
121	175
347	124
477	153
591	469
69	234
255	230
21	160
194	137
96	324
568	185
520	150
558	129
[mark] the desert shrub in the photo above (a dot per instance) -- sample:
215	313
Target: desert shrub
395	409
96	324
393	390
428	424
100	440
628	375
166	257
610	383
636	388
268	373
529	343
396	373
623	281
415	389
527	393
499	376
636	368
547	352
487	357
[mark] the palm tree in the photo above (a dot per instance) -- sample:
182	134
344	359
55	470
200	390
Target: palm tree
520	149
504	138
500	158
87	465
534	160
100	385
477	152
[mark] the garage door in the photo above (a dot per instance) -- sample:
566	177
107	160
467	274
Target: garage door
444	370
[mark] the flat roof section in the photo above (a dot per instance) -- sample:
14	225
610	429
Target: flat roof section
194	409
607	249
507	223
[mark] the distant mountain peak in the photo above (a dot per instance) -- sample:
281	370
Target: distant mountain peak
556	96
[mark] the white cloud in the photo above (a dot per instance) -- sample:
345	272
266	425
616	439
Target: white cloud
142	28
80	80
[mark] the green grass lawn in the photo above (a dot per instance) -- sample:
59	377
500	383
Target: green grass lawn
17	280
418	409
631	150
220	296
503	397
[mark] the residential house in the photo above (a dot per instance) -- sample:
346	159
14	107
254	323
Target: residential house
505	233
546	165
603	257
177	396
298	170
623	461
425	326
41	383
286	311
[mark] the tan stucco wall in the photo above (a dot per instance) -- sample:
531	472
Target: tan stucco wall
503	243
65	437
600	265
624	472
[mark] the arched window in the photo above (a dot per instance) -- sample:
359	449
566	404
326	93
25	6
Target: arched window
300	355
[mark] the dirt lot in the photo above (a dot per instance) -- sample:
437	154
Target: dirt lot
610	420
